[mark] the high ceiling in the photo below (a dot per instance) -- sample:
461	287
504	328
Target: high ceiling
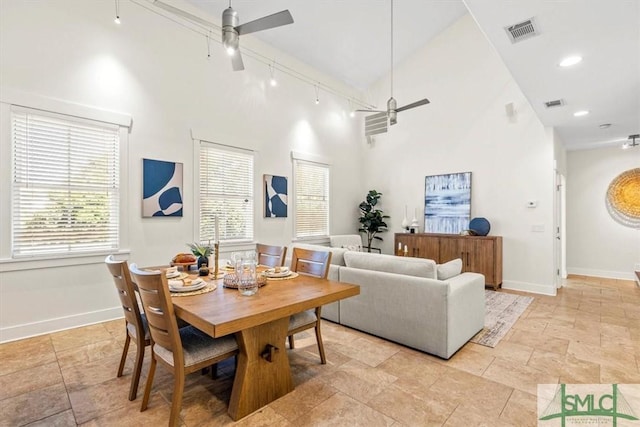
350	40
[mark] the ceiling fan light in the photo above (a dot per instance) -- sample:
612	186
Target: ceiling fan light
117	20
230	41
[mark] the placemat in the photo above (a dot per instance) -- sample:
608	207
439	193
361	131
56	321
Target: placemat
210	287
293	275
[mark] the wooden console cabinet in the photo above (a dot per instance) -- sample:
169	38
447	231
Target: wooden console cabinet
479	254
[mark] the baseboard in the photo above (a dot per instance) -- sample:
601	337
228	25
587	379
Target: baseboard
601	273
535	288
26	330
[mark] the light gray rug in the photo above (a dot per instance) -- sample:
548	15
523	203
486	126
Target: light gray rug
502	312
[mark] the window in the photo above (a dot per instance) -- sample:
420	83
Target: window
226	192
65	184
311	188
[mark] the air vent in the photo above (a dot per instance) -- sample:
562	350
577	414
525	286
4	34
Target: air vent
555	103
521	31
375	124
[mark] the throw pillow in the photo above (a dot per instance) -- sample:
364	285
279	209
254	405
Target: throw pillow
356	248
449	269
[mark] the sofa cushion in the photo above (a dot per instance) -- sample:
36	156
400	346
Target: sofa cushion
449	269
417	267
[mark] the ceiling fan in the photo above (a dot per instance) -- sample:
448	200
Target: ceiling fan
231	30
377	123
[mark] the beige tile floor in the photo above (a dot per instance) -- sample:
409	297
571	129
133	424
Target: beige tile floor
589	333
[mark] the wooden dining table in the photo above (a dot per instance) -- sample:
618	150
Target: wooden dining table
260	323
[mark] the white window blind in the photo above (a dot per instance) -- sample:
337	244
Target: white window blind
65	186
226	191
311	182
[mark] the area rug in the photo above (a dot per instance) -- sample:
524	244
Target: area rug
502	312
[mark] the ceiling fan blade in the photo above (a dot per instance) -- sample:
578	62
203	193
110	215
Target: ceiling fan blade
413	105
369	111
236	61
276	20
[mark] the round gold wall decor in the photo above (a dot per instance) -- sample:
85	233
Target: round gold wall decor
623	198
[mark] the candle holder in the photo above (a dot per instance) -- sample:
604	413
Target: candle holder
216	248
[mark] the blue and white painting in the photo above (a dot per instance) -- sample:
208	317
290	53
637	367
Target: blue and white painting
161	188
447	203
275	196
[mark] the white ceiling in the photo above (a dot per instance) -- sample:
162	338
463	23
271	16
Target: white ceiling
349	40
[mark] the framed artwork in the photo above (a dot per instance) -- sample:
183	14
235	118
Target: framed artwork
161	188
447	203
275	196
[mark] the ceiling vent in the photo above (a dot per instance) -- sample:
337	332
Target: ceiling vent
522	31
555	103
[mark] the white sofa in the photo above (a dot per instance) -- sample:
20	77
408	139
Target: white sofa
402	300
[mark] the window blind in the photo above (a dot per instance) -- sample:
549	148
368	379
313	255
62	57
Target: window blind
65	189
311	199
226	191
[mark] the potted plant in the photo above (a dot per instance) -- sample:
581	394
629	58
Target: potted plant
372	219
202	252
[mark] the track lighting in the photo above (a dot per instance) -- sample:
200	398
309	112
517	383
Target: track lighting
272	81
352	112
633	142
117	20
317	94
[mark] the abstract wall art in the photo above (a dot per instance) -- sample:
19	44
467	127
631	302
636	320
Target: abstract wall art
161	188
623	198
275	196
447	203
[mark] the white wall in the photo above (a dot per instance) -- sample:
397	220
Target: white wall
466	128
157	71
597	245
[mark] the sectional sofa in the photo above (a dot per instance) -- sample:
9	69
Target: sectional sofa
411	301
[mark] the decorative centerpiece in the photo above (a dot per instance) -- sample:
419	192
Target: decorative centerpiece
202	252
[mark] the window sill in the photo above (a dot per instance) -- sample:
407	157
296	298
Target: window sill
29	263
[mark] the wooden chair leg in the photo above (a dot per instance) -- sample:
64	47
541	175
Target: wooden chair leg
176	402
147	389
137	369
214	371
291	343
323	358
123	359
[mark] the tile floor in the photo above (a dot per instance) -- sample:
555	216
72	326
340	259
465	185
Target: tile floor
589	333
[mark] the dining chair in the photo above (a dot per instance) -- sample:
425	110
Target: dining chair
181	350
310	263
136	327
273	256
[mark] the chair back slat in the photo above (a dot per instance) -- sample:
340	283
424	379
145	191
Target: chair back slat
156	301
273	256
310	262
126	292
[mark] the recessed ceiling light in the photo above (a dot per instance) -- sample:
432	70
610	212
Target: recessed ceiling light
571	60
581	113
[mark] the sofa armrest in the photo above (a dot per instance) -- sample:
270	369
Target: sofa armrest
466	309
